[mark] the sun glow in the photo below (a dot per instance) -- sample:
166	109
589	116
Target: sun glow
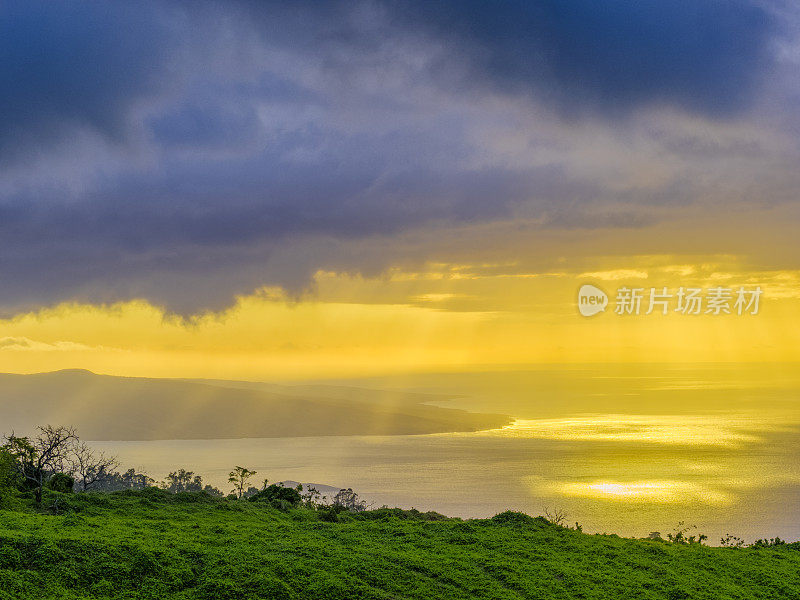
692	430
442	317
658	491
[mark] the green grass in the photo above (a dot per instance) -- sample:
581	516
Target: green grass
148	545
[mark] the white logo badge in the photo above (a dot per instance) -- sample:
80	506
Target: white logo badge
591	300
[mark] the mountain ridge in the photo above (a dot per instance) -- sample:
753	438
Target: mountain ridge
108	407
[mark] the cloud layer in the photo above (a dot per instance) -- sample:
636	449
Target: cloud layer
188	152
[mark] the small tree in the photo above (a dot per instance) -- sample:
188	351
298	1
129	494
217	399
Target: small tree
129	480
40	457
212	491
239	478
349	499
311	497
183	481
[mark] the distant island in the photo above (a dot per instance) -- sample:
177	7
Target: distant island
104	407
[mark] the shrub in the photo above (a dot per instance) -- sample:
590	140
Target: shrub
511	517
679	535
731	541
279	497
768	543
8	479
329	514
399	513
61	482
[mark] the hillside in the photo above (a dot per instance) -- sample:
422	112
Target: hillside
150	545
103	407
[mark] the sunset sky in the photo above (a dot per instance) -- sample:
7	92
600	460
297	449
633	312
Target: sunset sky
267	190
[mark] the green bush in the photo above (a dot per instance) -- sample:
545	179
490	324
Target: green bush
61	482
8	479
511	517
329	514
399	513
768	543
279	497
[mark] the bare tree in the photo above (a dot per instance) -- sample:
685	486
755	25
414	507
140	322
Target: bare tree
556	516
89	466
39	457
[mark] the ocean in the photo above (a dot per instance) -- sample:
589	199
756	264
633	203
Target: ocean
618	449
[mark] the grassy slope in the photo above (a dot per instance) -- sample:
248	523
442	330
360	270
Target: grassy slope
135	546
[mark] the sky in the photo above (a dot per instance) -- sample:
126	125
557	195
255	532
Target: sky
265	190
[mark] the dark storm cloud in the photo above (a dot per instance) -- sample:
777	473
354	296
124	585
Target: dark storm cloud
197	248
218	132
612	55
71	65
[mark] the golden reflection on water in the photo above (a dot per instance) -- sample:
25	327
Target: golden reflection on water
661	478
721	451
656	491
692	430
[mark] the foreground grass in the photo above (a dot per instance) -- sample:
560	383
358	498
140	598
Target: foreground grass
146	545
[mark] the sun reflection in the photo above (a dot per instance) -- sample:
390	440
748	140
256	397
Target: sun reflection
659	491
699	430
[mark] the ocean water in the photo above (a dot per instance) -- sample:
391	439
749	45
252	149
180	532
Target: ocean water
626	450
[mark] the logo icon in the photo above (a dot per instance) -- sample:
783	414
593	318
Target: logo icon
591	300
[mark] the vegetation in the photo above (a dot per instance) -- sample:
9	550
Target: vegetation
279	497
153	544
239	478
184	540
37	459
